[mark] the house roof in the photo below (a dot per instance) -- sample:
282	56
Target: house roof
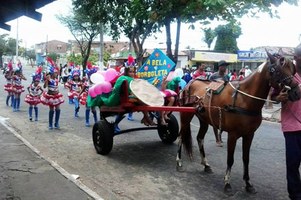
13	9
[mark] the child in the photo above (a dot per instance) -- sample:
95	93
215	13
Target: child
52	98
241	76
75	87
169	97
33	96
8	85
84	94
17	87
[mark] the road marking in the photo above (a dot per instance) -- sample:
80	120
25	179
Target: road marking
61	170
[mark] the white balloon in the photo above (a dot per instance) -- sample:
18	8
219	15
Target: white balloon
179	73
97	78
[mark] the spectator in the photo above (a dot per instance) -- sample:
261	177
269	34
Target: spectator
291	127
247	71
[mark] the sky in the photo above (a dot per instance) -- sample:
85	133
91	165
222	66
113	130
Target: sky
263	31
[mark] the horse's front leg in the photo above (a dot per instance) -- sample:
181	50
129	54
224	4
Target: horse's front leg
200	138
232	138
246	145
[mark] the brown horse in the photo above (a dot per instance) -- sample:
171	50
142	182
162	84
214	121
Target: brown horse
235	109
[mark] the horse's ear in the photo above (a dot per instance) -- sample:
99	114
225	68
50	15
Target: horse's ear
271	57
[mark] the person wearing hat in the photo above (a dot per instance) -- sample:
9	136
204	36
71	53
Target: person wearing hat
221	73
75	87
17	87
291	127
33	96
52	97
216	76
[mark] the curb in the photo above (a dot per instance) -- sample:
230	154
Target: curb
71	177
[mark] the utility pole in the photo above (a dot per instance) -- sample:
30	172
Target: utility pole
17	40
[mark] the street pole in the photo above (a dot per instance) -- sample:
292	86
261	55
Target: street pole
17	40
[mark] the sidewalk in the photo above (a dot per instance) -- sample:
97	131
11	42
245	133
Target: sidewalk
26	175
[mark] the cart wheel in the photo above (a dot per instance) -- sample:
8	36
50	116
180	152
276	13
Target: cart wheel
102	134
169	133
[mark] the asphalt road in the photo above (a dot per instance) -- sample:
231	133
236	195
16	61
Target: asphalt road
140	166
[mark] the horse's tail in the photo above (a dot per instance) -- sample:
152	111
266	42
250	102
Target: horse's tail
185	134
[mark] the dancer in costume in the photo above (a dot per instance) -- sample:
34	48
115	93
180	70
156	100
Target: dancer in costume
34	95
84	94
8	86
75	87
17	87
52	97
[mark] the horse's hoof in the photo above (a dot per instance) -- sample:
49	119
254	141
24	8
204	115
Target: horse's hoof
219	144
228	189
250	189
208	170
180	168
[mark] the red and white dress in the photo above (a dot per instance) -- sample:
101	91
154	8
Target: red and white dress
34	96
17	87
74	88
53	97
84	95
8	85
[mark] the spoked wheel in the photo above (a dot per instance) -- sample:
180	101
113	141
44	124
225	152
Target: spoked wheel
169	133
102	134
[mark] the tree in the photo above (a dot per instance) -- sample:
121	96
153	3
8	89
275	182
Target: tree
31	56
127	17
209	36
190	11
84	29
226	37
7	46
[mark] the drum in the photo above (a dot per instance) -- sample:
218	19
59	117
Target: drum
146	92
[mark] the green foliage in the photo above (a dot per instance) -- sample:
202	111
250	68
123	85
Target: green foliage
84	26
7	46
54	56
209	36
30	54
226	37
76	59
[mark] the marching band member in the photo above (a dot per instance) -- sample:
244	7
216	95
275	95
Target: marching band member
33	96
17	87
84	93
8	86
52	97
75	86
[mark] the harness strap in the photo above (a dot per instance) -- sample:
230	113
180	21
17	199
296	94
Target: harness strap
238	110
210	92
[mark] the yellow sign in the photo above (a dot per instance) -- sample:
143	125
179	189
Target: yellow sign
214	57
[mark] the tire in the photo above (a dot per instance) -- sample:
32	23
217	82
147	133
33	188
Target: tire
168	134
102	134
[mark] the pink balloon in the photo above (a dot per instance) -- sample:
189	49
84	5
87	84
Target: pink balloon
98	89
111	74
103	73
91	91
106	87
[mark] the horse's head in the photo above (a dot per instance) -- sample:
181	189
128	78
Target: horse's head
282	71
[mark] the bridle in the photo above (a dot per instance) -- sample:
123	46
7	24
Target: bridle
275	70
276	74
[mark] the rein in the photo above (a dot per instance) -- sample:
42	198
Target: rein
251	96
